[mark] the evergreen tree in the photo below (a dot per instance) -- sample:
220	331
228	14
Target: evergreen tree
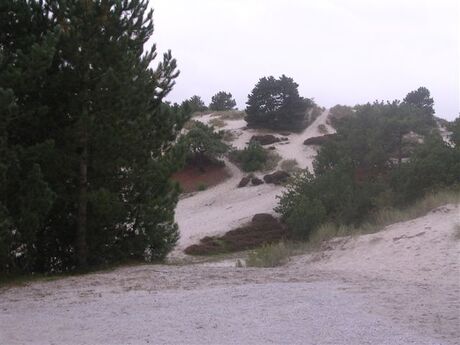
275	103
421	99
90	139
193	104
201	145
222	101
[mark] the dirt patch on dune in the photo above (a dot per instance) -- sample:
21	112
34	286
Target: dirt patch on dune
263	229
192	178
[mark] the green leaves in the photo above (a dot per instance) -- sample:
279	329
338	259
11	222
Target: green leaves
201	143
275	103
222	101
77	82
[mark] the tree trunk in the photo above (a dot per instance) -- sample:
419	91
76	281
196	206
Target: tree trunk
81	245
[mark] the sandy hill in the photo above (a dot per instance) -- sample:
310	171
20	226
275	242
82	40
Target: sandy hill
225	207
397	286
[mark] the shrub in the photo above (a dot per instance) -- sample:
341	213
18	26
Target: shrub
228	135
269	255
275	103
251	158
230	114
190	124
202	144
216	122
272	161
222	101
201	187
322	129
338	113
457	232
290	165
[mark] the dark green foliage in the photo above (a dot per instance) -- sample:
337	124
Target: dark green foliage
251	158
454	127
339	112
193	104
85	140
222	101
361	169
201	144
434	165
421	99
275	103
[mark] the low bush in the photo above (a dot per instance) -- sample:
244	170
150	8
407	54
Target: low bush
217	122
323	129
290	165
338	113
263	229
254	157
457	232
269	255
230	114
385	217
228	135
201	145
201	187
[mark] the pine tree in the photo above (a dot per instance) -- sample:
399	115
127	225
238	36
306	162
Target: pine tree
222	101
92	112
275	103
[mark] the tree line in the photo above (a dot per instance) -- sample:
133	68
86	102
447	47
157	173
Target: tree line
384	155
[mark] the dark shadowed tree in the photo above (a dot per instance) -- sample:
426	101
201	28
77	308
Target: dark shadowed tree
194	104
222	101
275	103
87	135
202	145
421	98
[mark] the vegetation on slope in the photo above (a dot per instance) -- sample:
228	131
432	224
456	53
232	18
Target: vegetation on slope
361	169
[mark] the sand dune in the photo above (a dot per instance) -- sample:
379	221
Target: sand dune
398	286
225	207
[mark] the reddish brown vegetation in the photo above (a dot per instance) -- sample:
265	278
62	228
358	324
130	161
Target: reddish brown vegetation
263	229
191	177
278	177
321	140
266	139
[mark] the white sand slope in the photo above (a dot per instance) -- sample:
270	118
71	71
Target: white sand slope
224	207
398	286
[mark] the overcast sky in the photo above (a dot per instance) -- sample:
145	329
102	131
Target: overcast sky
338	51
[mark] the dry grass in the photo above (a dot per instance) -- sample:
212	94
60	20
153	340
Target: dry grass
230	114
272	161
457	232
217	122
270	255
190	124
228	135
290	165
323	129
386	217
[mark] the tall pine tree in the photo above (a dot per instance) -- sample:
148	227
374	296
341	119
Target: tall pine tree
91	136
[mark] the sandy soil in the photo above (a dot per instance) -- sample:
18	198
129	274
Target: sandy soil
225	207
398	286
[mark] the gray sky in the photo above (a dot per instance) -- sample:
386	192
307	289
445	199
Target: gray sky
347	52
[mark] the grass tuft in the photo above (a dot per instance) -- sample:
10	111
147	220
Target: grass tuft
230	114
270	255
290	165
457	232
217	122
385	217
